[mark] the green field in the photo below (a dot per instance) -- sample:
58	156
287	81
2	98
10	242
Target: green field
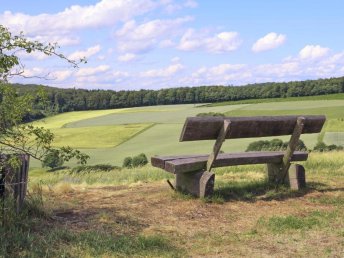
109	136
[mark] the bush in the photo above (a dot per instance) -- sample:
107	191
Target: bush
210	114
321	147
136	161
128	162
140	160
98	167
52	159
273	145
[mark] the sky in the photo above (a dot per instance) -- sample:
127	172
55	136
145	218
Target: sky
153	44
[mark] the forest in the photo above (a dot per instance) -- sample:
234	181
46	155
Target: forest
64	100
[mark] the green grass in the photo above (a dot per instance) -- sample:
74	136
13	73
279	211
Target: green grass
60	120
35	237
133	213
256	101
282	224
334	138
96	136
335	125
114	177
104	135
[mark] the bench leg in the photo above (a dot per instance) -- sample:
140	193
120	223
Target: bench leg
296	175
199	183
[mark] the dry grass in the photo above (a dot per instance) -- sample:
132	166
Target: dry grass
266	223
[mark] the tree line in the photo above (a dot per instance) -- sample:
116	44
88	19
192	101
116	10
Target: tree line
64	100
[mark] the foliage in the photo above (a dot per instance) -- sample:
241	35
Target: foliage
210	114
52	159
64	100
128	162
273	145
321	147
140	160
16	136
136	161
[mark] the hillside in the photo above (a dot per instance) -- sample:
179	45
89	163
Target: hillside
64	100
109	136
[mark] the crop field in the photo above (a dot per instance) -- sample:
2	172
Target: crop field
109	136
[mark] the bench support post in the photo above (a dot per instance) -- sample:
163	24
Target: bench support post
199	183
296	175
219	141
300	122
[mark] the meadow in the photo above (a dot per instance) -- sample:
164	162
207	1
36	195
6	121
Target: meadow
109	136
134	213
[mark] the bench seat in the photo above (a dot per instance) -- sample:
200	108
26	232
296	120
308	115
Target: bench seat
188	163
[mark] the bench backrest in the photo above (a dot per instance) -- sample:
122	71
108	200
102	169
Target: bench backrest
208	128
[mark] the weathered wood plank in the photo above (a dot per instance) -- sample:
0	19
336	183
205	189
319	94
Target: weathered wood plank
208	128
183	165
217	146
159	161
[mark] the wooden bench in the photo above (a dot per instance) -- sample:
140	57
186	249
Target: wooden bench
193	172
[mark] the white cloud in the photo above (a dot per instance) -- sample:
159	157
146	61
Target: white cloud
269	41
32	56
222	42
166	72
61	75
85	54
313	52
191	4
127	57
136	38
34	71
105	12
89	71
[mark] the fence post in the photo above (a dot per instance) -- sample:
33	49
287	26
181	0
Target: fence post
13	181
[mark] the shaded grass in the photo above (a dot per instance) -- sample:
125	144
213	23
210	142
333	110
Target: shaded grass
33	241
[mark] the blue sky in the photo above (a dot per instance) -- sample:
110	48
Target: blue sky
135	44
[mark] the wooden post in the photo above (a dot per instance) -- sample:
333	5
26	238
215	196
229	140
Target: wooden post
300	122
198	183
15	181
297	177
219	141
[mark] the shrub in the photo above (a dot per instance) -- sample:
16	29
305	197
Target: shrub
321	147
98	167
140	160
128	162
52	159
210	114
273	145
136	161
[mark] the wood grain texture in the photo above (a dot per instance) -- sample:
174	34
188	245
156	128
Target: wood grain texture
186	164
219	141
294	139
208	128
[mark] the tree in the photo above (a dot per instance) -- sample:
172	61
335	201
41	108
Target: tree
17	137
52	160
